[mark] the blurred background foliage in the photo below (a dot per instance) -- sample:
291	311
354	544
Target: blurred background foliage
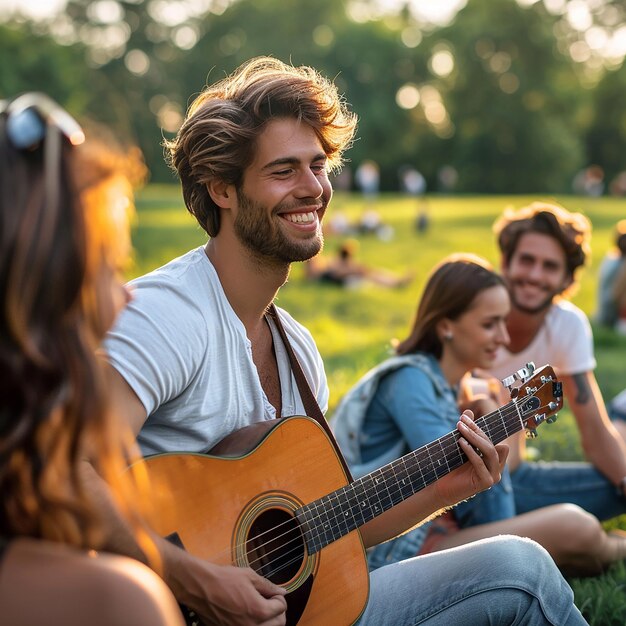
482	96
509	95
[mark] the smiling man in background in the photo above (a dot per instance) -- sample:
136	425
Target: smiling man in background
543	247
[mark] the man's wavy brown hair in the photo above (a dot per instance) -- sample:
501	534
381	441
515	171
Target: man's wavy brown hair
572	231
218	138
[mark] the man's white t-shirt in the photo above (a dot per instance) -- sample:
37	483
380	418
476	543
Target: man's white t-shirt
564	341
185	353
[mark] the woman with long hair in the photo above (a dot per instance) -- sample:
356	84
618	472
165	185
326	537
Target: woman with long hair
413	398
64	208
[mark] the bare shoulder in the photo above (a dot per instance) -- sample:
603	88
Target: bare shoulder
46	583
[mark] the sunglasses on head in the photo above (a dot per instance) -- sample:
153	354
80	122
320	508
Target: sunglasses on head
28	117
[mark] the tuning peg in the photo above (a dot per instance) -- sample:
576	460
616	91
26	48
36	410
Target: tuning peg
531	433
524	373
551	419
509	381
553	406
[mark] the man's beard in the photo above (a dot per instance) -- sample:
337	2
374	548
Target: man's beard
531	310
267	242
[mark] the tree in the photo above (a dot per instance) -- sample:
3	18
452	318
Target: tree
493	94
512	99
35	62
605	136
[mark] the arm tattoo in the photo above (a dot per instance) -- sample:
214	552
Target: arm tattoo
583	392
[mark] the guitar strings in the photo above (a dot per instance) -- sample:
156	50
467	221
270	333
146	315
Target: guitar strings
395	495
394	499
453	437
288	548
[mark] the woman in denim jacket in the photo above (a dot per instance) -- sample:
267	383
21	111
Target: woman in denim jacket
412	399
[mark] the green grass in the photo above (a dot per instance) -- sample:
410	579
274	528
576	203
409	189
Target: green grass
353	327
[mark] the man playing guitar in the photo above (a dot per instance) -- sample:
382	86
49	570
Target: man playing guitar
195	357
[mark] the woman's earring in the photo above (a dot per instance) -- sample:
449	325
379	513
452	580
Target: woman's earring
448	336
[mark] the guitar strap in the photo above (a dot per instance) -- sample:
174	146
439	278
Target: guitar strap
308	399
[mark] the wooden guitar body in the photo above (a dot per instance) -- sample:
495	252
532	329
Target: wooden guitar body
281	502
240	511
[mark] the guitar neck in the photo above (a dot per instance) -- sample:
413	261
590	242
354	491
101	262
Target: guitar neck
331	517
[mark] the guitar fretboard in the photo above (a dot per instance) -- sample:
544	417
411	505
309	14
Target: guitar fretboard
331	517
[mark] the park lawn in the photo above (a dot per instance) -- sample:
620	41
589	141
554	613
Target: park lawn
353	327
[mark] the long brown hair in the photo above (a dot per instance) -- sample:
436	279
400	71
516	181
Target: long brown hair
450	290
57	234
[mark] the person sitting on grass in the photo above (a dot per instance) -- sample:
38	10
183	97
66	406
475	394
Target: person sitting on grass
63	232
344	270
614	261
543	248
412	399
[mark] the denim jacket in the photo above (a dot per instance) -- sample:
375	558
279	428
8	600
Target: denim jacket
428	388
348	419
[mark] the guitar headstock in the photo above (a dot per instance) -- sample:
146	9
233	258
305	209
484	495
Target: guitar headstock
538	397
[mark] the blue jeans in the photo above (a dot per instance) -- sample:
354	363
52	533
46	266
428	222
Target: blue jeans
540	484
499	581
532	486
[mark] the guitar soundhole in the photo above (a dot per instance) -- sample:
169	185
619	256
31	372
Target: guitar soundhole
275	546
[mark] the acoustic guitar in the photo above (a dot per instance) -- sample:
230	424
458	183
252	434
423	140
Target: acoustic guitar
279	501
